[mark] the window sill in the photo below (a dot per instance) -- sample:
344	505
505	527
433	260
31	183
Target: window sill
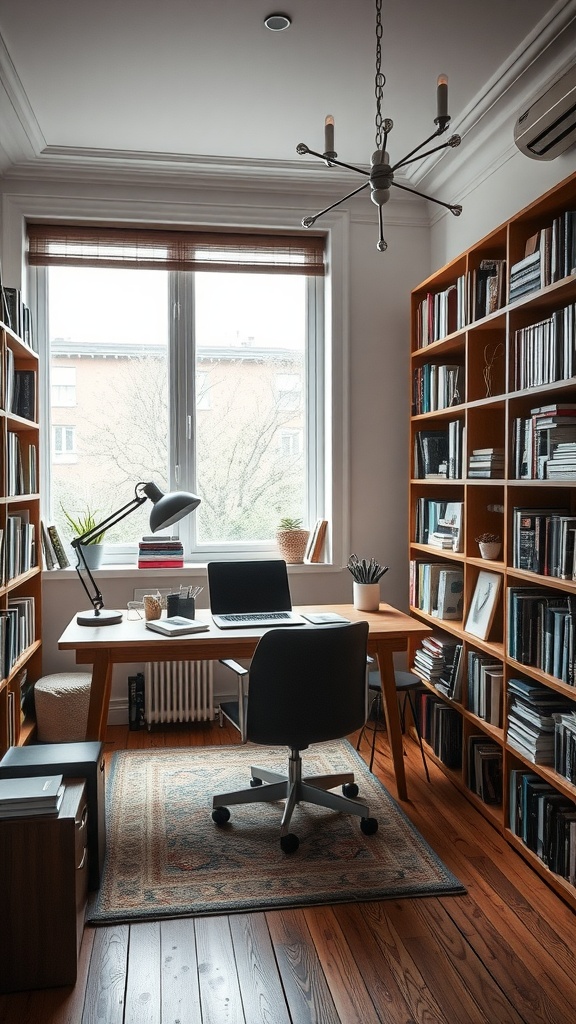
131	571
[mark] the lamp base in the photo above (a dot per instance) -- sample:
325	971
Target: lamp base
104	618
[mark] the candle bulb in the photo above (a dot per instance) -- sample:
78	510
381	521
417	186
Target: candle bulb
329	134
442	96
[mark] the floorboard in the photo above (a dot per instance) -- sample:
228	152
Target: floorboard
503	953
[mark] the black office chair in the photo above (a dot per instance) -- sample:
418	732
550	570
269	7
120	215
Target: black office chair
305	686
406	684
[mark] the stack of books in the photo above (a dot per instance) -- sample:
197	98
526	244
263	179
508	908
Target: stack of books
160	553
531	724
22	797
486	463
525	276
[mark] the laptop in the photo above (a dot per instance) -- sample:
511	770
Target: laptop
251	594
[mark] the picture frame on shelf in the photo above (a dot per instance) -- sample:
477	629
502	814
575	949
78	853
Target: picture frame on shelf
483	604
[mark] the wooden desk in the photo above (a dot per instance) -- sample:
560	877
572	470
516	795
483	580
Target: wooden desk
129	641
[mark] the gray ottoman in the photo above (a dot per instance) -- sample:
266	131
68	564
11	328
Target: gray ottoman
61	702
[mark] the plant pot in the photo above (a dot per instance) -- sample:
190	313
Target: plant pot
366	596
93	555
292	544
490	549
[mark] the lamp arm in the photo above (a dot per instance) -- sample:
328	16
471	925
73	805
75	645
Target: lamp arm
93	592
456	209
307	222
451	144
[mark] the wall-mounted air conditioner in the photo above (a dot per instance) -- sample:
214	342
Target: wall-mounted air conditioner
548	126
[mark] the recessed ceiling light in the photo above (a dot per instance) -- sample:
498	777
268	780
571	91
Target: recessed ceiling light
277	22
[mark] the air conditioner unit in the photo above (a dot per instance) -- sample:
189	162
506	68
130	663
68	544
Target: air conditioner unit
548	127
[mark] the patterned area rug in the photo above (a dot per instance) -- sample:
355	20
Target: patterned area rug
167	858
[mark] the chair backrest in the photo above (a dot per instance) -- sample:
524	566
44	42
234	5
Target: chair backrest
308	685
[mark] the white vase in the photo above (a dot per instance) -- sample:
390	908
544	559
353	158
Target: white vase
366	596
93	555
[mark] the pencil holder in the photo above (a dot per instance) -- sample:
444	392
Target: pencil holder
176	605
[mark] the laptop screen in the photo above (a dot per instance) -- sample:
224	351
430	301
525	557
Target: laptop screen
243	587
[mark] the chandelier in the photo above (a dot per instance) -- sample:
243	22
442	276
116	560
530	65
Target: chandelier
381	176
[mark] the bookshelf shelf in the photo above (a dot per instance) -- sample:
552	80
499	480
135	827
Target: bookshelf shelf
20	574
517	359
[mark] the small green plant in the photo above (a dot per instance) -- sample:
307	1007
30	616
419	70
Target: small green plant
290	524
81	522
488	538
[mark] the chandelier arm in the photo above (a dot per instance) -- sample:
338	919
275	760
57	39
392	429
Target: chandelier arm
382	246
337	163
419	147
334	205
448	206
420	156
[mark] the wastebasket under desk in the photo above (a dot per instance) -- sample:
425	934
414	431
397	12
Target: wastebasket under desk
72	760
43	894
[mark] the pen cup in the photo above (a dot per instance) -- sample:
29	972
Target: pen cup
177	605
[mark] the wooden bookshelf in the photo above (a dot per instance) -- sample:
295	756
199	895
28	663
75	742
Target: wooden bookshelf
490	407
20	574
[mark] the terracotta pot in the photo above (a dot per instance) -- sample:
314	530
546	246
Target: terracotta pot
292	544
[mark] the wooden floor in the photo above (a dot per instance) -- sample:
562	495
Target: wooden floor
502	954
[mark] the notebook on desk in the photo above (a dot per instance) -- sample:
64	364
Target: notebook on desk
251	594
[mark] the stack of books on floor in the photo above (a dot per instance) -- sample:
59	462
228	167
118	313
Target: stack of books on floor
20	798
160	553
486	463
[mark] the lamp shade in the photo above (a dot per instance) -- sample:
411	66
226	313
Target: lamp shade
169	508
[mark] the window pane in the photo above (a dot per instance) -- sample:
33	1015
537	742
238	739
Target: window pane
108	334
250	332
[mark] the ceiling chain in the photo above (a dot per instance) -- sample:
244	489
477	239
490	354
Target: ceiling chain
379	79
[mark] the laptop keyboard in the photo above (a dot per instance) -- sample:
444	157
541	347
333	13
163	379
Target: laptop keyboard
257	617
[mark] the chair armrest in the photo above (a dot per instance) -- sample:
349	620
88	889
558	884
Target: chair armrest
234	666
242	675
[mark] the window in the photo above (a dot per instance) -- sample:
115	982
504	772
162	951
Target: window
63	441
210	381
63	385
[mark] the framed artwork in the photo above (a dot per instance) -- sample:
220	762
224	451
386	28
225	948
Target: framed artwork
483	605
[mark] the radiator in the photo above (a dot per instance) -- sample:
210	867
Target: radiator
178	691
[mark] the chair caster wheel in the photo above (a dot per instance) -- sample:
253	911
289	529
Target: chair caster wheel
255	782
289	843
368	826
220	815
350	789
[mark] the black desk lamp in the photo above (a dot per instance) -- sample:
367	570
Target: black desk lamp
167	509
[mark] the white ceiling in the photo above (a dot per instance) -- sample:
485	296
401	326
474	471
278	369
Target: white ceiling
175	79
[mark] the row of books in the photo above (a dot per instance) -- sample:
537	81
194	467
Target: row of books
437	589
545	821
15	314
485	769
543	541
21	465
17	631
160	553
544	443
441	728
541	631
439	523
544	352
484	687
438	453
473	295
437	386
19	389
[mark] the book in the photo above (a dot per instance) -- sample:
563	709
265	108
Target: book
57	546
177	625
37	795
316	542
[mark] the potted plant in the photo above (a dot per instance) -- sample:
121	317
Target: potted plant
489	544
292	540
80	523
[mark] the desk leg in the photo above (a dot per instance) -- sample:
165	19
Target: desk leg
392	713
99	697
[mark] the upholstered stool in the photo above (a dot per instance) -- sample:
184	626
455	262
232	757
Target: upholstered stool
61	702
